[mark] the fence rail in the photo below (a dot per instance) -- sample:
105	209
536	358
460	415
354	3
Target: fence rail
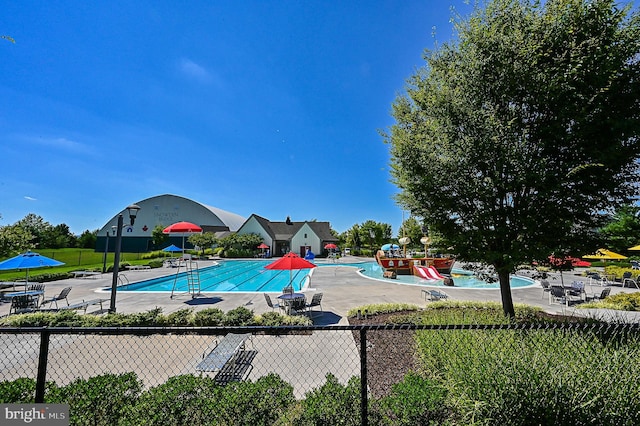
379	355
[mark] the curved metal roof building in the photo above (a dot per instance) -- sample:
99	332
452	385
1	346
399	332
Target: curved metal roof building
164	210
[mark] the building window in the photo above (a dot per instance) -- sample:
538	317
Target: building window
305	235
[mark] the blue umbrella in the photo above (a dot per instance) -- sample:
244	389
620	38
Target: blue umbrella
389	246
27	261
171	248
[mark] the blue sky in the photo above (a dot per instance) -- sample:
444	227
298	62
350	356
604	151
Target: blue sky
266	107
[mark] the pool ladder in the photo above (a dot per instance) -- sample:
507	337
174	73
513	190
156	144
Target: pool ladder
193	279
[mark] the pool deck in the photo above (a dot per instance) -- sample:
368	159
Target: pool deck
342	287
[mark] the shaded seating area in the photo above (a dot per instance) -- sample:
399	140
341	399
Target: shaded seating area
292	303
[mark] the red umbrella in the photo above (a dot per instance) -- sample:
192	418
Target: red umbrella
263	246
182	228
290	261
331	246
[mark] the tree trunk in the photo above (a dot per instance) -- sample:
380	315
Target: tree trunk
505	292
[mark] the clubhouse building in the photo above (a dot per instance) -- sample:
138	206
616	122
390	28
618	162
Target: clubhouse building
164	210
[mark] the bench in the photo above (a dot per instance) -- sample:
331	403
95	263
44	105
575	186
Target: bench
85	274
434	295
138	267
228	358
84	305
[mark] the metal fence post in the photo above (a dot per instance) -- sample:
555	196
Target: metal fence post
363	378
41	380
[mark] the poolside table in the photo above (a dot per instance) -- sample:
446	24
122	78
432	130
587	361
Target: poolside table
33	295
292	300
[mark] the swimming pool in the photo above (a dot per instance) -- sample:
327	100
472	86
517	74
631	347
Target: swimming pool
461	278
250	276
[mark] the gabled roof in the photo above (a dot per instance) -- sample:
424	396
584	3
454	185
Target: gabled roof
322	230
283	231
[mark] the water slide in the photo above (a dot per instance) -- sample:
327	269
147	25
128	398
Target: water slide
428	272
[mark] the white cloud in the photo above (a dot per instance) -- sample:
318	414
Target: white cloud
193	70
26	197
197	72
60	143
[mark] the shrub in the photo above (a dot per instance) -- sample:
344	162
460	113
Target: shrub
181	317
99	400
212	317
274	319
414	401
333	403
155	263
239	316
182	400
259	403
382	308
21	390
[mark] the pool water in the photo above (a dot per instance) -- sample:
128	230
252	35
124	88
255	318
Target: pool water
242	276
461	278
250	276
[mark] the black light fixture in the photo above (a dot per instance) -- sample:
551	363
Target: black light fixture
133	212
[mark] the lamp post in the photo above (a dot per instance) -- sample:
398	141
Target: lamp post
104	258
372	234
133	211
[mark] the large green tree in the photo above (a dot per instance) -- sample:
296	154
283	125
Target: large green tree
623	231
517	139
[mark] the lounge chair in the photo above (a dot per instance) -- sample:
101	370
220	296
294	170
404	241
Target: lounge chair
628	281
597	279
603	294
434	295
62	296
316	300
635	264
272	305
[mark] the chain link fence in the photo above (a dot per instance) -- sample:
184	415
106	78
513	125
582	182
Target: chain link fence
482	362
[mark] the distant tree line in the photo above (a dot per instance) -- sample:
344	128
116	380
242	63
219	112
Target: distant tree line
33	232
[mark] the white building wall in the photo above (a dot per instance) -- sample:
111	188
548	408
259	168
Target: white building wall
252	226
311	240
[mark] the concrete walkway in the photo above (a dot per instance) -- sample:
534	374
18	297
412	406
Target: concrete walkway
342	287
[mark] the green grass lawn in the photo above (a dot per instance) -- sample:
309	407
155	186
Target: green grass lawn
74	259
